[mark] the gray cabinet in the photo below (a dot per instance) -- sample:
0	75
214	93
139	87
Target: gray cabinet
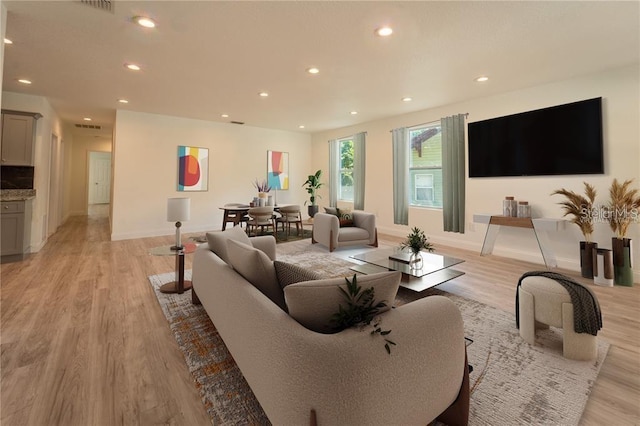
15	229
18	137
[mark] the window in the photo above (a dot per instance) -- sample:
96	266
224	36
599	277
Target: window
345	191
425	166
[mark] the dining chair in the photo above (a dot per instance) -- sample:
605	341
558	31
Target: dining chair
261	217
291	214
234	213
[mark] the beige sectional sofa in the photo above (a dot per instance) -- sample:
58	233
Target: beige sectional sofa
345	378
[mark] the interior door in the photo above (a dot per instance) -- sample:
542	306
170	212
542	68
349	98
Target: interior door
99	177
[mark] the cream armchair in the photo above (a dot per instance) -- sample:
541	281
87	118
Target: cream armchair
327	230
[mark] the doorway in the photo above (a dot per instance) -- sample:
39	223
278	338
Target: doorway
99	183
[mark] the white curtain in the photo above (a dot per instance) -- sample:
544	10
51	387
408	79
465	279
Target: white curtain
359	166
453	173
400	176
334	171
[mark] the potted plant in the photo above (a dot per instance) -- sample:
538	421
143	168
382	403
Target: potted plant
313	184
416	242
580	208
622	209
263	191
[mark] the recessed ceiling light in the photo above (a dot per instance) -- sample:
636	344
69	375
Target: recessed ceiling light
144	21
482	79
313	70
263	94
87	119
407	99
301	126
225	116
24	81
133	67
7	41
353	112
123	101
384	31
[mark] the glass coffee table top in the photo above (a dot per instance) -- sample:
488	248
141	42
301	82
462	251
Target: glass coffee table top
435	270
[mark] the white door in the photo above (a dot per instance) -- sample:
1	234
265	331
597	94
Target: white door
99	177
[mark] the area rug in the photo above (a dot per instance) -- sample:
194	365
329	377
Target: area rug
512	383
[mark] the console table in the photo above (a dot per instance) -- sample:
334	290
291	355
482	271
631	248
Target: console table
540	227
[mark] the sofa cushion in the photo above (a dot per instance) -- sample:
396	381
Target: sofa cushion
345	217
313	303
218	240
289	273
352	233
256	267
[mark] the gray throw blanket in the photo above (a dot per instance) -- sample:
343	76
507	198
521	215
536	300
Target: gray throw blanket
587	317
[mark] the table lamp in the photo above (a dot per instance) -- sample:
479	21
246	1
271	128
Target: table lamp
178	210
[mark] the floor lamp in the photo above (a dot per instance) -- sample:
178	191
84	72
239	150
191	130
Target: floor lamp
178	210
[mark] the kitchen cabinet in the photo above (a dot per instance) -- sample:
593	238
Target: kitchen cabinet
18	137
15	229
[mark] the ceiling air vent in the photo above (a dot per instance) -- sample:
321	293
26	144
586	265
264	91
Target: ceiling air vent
237	122
88	126
106	5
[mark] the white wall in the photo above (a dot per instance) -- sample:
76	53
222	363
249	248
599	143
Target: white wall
79	171
145	170
48	124
619	89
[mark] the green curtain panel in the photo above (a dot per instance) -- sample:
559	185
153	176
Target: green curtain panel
359	168
334	161
400	176
453	173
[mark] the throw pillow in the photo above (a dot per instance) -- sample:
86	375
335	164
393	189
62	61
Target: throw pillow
345	217
331	210
288	273
313	303
218	241
256	267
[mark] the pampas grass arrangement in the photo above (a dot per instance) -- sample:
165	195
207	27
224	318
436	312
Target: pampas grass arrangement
623	207
580	208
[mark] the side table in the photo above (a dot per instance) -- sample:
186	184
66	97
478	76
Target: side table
179	285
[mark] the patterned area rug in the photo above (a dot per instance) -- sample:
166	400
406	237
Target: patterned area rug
512	382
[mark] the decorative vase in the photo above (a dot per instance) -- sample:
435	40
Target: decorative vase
312	210
586	258
415	260
622	267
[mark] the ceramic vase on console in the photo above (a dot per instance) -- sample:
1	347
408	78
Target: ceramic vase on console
586	258
415	260
622	266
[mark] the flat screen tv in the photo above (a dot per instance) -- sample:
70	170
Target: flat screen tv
559	140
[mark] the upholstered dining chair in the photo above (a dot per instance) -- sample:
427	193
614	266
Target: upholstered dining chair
289	215
261	217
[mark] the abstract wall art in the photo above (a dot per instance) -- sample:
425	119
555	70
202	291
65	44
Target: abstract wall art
193	168
278	169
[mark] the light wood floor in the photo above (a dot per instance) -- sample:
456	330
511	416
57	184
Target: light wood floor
84	342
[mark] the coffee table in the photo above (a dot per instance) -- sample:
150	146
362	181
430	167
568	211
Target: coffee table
436	268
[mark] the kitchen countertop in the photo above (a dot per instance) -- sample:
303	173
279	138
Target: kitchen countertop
17	194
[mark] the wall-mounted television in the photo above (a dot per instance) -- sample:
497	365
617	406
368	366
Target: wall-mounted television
559	140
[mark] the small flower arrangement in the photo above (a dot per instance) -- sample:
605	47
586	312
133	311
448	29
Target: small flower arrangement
261	186
417	241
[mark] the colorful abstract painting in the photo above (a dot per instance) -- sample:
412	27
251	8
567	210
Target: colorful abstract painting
278	169
193	168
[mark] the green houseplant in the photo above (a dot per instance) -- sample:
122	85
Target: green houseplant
416	242
624	203
580	208
312	185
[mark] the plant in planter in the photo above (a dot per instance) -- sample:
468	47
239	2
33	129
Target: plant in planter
580	208
360	311
416	242
623	208
313	184
263	190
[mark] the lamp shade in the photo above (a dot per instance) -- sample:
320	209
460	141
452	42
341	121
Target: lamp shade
178	209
